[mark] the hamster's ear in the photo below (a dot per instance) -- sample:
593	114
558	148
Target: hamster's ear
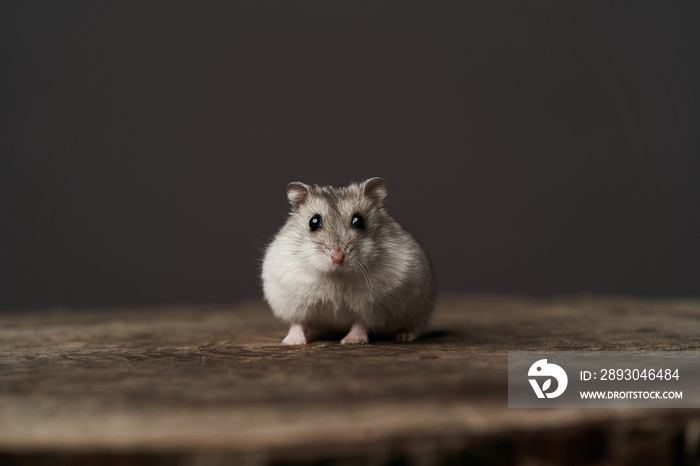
297	193
375	190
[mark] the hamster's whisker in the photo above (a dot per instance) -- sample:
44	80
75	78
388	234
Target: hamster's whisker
304	256
368	279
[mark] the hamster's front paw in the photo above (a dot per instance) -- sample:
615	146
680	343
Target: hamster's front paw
355	340
296	335
294	340
356	336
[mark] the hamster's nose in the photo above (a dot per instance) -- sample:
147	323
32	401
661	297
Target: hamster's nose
337	256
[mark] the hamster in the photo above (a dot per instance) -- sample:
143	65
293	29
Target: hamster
341	263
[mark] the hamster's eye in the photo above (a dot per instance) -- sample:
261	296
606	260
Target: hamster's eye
358	222
315	223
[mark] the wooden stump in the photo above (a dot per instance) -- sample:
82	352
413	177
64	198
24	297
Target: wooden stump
210	385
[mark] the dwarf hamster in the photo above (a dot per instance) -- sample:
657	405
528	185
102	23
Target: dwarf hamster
341	263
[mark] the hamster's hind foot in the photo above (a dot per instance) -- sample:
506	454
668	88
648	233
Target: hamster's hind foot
405	337
296	335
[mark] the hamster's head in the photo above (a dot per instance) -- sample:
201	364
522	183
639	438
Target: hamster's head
336	230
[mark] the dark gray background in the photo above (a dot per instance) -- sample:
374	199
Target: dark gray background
537	147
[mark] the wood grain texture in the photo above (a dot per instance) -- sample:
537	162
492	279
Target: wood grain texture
207	384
